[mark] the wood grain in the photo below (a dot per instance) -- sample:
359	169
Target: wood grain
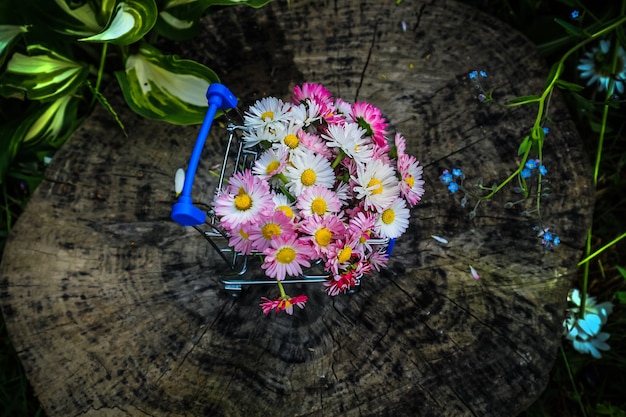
115	310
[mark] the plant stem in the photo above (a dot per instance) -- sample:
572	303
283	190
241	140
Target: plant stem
571	378
100	73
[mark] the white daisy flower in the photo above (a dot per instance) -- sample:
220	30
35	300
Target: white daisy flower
304	114
283	204
306	169
394	220
290	138
597	65
377	185
265	120
351	139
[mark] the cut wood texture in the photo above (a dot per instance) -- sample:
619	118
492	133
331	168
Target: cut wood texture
115	310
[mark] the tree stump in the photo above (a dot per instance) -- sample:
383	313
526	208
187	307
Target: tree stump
115	310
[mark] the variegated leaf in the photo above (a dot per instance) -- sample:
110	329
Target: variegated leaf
179	19
72	18
130	23
165	87
8	35
53	124
41	75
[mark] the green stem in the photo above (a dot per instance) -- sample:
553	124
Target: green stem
602	249
511	177
283	294
103	55
596	169
571	378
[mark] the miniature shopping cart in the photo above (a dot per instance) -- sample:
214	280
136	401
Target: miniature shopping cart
237	157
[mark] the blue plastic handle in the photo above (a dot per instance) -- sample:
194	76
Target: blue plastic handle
184	212
390	246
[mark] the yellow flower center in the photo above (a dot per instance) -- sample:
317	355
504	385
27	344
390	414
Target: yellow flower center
410	180
344	255
270	231
323	236
377	184
271	167
318	206
287	210
267	115
243	201
285	255
388	216
363	237
292	141
308	177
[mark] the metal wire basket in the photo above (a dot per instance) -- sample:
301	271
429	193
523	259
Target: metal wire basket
236	158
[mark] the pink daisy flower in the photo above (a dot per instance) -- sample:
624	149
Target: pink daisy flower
269	228
322	232
315	144
361	226
286	256
341	254
283	304
318	200
400	144
412	184
341	282
240	239
270	163
315	92
371	119
245	199
378	259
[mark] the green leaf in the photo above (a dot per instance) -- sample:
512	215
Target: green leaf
179	19
51	125
165	87
566	85
41	75
8	36
569	28
523	147
130	23
72	18
621	270
518	101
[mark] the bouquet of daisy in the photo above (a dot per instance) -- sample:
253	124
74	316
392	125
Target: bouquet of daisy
327	188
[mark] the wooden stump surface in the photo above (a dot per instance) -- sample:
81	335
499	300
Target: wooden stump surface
115	310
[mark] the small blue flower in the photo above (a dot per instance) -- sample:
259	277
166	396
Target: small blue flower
546	130
556	241
531	164
473	75
453	187
456	172
575	14
483	74
543	170
446	177
547	237
597	66
525	173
